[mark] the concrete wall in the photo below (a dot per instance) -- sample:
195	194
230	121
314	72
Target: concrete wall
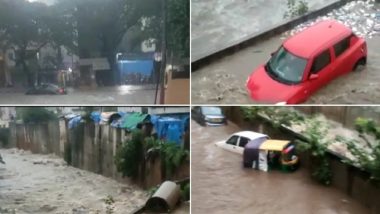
88	146
345	115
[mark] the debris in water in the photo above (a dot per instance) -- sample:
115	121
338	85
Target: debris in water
360	16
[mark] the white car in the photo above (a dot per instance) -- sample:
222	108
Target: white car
237	141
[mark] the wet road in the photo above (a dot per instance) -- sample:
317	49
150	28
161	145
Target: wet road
52	187
102	95
221	185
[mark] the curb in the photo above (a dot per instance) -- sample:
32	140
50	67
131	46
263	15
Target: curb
265	34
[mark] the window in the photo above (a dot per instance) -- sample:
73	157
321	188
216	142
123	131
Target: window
321	61
233	140
341	46
243	141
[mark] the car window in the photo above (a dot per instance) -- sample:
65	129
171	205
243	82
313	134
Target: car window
320	61
233	140
243	141
341	46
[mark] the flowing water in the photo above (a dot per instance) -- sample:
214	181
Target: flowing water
31	183
221	185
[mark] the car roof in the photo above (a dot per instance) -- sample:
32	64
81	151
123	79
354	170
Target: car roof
316	38
249	134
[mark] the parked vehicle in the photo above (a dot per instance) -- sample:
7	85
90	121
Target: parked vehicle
46	88
237	141
265	154
307	62
208	115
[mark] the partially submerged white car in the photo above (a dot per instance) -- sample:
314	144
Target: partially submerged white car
237	141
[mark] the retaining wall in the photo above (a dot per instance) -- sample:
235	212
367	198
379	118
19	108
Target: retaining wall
88	146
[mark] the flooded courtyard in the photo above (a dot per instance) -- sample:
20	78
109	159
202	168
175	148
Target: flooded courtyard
32	183
221	185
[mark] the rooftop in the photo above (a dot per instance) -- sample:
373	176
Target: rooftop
316	38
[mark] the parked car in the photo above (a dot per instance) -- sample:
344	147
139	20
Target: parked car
307	62
237	141
208	115
46	88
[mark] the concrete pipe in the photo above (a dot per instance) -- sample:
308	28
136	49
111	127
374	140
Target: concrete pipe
165	198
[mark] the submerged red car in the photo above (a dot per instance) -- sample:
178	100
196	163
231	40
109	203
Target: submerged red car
306	62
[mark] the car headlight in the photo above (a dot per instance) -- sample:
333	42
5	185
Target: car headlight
281	103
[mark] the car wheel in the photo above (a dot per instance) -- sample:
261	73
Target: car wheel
360	64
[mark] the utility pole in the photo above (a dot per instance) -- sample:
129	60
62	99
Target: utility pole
163	51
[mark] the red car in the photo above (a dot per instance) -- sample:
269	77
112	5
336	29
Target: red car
306	62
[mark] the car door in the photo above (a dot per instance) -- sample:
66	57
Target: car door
320	72
342	63
242	142
232	143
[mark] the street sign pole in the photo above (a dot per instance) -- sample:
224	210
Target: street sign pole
163	51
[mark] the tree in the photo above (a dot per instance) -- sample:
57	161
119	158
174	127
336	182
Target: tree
23	28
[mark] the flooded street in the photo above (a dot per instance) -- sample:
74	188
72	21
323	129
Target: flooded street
31	183
126	94
221	185
223	81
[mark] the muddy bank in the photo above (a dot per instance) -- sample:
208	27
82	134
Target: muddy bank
221	185
31	183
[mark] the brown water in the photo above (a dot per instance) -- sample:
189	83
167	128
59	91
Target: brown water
221	185
35	183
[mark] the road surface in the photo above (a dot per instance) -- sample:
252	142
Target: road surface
101	95
221	185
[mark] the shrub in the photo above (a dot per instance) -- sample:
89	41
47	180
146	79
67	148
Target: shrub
296	8
366	157
317	147
129	156
35	114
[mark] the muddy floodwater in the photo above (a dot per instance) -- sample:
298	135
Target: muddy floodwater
221	185
31	183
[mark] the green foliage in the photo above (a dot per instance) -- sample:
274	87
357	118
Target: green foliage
277	116
4	136
368	126
296	8
317	146
367	157
172	154
109	201
179	27
129	157
185	191
86	116
35	114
